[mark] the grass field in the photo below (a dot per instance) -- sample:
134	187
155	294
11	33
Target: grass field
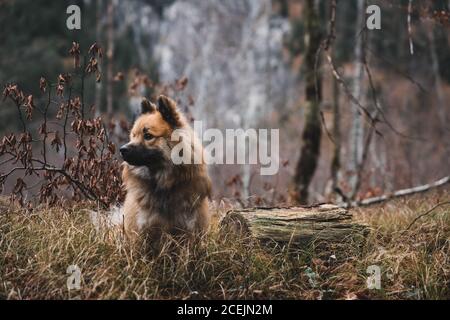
37	248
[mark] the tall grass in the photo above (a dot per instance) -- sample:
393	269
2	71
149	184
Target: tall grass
37	248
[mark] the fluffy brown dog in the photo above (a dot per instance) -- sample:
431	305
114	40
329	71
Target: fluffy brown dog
163	197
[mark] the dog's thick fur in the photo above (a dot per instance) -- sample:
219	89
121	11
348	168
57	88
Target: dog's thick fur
162	197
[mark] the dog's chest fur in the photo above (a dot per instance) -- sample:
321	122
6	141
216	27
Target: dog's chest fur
165	205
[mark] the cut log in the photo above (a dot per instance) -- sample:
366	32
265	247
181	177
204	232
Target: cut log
298	227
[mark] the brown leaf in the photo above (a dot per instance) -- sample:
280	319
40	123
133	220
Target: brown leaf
75	53
111	148
29	106
119	76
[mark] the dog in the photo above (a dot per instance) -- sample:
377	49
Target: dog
161	196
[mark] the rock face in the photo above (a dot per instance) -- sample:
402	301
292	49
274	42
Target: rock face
232	53
298	227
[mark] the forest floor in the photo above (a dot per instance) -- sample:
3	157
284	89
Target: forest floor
37	248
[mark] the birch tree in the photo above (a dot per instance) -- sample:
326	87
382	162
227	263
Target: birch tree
357	129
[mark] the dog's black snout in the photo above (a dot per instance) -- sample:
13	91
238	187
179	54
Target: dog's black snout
124	150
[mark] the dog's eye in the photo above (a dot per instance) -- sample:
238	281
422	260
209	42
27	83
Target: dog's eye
148	136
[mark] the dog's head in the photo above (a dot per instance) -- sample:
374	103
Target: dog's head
150	138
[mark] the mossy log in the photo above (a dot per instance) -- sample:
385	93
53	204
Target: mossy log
298	227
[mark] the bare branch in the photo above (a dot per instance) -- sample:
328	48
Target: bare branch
411	46
401	193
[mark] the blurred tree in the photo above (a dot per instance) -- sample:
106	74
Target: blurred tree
98	35
336	160
357	130
35	42
110	56
312	132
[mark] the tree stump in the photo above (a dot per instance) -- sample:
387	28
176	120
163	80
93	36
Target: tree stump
298	227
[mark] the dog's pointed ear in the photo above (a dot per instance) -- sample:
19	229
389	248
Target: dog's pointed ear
147	106
168	109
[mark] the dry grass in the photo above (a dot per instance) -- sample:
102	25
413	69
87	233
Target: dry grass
36	249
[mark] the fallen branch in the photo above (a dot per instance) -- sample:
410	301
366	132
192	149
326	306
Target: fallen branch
401	193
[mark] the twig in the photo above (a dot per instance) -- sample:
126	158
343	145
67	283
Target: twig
426	213
411	46
83	75
332	26
44	141
86	192
22	121
65	123
338	77
394	67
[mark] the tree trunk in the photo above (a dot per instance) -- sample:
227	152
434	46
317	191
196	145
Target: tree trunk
437	78
298	227
336	161
110	55
98	35
357	130
312	132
